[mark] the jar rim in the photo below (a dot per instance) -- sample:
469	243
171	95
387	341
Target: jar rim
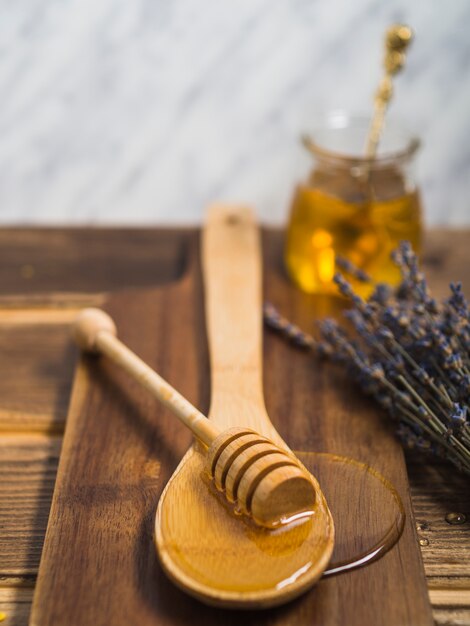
341	119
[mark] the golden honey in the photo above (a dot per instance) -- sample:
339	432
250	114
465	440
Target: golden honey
323	226
228	552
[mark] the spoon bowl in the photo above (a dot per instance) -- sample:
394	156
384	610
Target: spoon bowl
222	558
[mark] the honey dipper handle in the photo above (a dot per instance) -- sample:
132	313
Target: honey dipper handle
95	331
231	263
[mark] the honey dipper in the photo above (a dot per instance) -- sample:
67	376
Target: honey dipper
266	482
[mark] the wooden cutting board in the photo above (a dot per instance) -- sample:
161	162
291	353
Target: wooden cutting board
99	565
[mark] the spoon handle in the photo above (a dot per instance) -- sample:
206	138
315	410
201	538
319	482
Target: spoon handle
94	331
231	264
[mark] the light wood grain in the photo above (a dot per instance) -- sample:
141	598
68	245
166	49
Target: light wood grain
438	489
28	465
450	597
42	307
451	616
124	484
447	257
29	317
231	259
15	605
36	379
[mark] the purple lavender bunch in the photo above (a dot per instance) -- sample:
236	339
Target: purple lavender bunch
409	352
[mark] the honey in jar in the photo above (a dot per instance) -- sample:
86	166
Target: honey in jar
353	207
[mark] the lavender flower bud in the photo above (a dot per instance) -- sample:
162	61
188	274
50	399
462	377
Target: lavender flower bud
458	418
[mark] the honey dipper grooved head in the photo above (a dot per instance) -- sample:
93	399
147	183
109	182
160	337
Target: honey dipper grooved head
266	481
88	324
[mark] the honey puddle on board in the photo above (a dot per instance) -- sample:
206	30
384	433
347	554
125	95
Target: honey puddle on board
228	552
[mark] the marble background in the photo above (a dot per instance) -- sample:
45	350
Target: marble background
145	111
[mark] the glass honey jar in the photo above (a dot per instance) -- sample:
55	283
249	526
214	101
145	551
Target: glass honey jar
352	206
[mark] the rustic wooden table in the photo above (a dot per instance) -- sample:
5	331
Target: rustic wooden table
46	275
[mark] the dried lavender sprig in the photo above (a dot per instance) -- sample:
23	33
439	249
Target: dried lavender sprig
410	353
346	266
293	333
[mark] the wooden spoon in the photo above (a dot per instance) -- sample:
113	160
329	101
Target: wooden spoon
203	545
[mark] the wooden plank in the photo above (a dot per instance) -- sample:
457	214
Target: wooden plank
36	262
66	269
154	444
36	365
450	616
98	547
446	259
44	260
439	489
38	316
15	605
450	597
449	582
28	465
41	305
